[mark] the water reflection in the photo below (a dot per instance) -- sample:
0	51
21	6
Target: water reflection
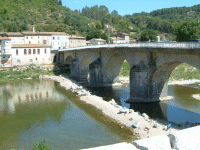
179	110
27	104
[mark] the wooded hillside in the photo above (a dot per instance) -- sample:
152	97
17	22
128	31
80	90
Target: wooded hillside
50	15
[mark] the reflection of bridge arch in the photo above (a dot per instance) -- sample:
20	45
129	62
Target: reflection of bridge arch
84	67
113	67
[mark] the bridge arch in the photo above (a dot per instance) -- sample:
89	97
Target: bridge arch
112	68
84	67
160	76
68	59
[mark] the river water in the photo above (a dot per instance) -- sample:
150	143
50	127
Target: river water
181	109
31	110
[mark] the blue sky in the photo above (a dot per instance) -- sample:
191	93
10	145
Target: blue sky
129	6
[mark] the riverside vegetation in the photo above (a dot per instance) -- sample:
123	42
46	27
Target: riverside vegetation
182	72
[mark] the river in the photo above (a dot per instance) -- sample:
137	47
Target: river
183	108
31	110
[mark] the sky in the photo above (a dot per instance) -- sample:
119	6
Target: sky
129	6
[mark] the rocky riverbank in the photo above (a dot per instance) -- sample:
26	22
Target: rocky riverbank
141	124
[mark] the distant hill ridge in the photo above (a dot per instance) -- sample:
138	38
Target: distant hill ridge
50	15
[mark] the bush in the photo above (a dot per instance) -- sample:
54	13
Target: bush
42	145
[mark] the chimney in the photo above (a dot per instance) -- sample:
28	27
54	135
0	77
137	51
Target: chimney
33	29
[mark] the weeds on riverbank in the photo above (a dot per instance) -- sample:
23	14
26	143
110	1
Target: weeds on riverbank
30	71
42	145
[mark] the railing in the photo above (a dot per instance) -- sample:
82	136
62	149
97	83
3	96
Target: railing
184	45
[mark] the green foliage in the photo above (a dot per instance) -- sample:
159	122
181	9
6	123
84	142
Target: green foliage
148	34
185	72
125	69
42	145
50	15
188	29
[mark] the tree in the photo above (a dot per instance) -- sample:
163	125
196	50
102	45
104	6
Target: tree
114	13
188	29
148	34
60	2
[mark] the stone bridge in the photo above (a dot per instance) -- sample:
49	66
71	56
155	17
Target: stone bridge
151	65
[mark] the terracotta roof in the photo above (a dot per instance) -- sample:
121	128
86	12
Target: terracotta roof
44	33
76	37
118	38
98	39
29	45
4	38
13	33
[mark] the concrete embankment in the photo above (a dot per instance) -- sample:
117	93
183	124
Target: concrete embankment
187	139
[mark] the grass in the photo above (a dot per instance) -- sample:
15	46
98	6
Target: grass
125	69
30	72
182	72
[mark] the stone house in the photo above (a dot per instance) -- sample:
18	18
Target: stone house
96	41
77	41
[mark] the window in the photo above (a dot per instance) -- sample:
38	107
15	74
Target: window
29	42
38	37
29	51
16	51
38	51
53	38
43	60
25	52
38	42
45	50
27	37
34	51
18	60
58	38
31	37
31	60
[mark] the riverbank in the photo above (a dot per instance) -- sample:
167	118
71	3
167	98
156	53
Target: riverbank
144	126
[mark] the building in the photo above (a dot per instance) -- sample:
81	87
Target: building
96	41
125	36
77	41
26	54
121	38
56	40
117	40
5	51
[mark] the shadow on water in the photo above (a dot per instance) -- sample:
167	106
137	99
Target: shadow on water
154	110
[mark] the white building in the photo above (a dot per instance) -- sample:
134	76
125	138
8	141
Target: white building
117	40
5	51
26	54
96	41
56	40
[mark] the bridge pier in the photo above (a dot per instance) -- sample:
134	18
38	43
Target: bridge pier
95	70
75	68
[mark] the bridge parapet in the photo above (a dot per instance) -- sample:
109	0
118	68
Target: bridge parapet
175	45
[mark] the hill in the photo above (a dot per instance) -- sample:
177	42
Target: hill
50	15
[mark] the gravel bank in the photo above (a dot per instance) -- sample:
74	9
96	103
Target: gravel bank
144	126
